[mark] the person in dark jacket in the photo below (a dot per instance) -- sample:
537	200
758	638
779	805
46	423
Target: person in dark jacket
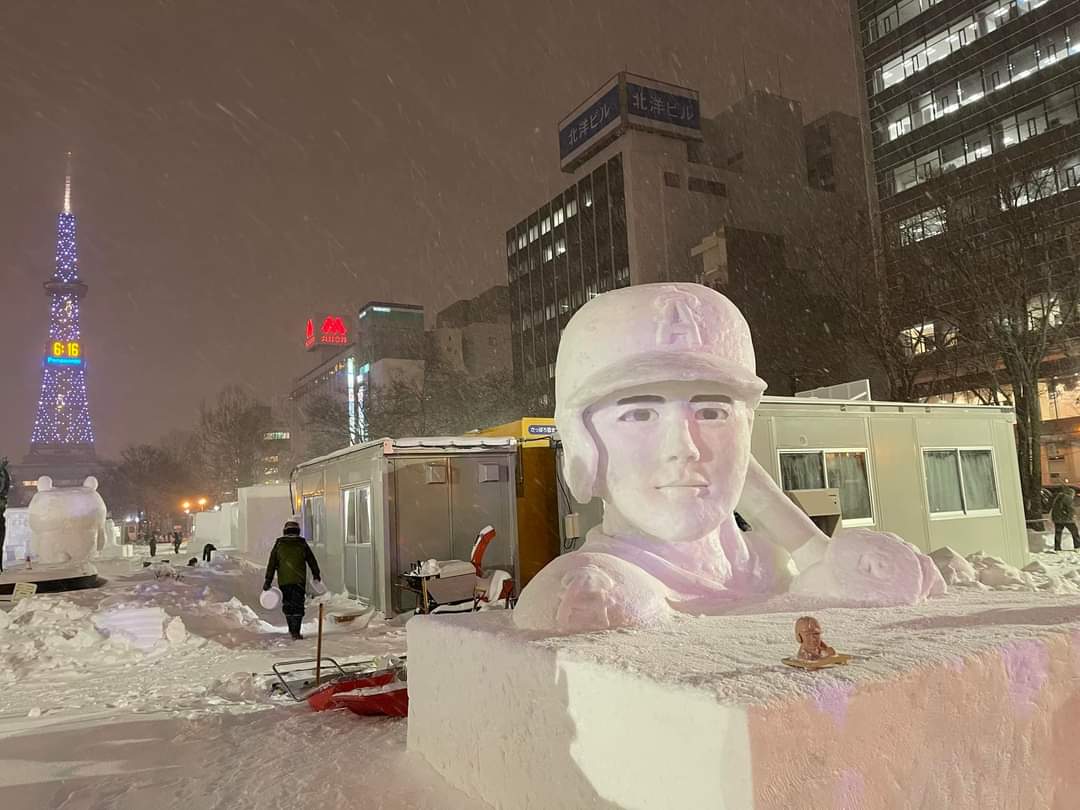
289	559
1063	513
176	542
208	552
152	539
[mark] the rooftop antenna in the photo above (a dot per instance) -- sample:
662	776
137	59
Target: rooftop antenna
67	186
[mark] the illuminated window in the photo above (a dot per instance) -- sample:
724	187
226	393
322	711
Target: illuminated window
918	339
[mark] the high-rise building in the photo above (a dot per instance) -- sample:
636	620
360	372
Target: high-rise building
661	193
62	442
973	117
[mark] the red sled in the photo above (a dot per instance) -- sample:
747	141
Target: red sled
391	700
323	697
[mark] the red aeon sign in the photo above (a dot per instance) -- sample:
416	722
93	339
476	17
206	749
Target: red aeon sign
333	332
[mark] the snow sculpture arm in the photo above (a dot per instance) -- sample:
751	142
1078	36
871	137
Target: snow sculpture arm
860	565
773	514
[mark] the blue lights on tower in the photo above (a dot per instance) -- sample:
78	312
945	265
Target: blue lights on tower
63	412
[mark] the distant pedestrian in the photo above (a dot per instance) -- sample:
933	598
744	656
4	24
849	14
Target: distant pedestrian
1063	513
176	542
289	559
152	539
207	551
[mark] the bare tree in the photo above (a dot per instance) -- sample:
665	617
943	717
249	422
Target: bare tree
876	319
1004	289
326	423
149	480
230	438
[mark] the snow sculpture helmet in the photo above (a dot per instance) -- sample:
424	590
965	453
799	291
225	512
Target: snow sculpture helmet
650	333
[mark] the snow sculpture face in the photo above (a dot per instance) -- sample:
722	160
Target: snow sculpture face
672	457
65	523
655	389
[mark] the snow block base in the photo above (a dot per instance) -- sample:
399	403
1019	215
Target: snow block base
53	578
971	701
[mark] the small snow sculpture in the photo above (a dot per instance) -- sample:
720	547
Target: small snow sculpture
655	390
67	523
812	646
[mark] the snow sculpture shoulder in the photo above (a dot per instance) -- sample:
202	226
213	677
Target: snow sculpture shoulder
655	390
66	523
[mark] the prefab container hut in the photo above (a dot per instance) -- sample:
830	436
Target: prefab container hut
372	510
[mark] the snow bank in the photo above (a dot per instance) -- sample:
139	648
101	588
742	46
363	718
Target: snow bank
979	571
42	635
703	714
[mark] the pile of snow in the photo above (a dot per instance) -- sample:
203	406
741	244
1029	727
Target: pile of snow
41	635
954	568
984	572
143	627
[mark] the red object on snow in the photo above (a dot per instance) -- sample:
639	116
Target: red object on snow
483	540
323	698
392	701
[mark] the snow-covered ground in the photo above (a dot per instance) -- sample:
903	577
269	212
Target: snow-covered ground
154	692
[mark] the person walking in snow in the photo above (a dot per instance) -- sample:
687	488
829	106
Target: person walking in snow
289	559
176	542
1063	513
152	539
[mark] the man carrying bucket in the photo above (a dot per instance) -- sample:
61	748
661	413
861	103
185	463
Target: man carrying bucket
289	559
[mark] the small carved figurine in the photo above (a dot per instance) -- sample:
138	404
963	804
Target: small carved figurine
811	646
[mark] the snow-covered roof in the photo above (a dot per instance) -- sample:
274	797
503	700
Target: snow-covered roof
419	443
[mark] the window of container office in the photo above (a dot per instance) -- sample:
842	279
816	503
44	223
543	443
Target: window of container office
1047	50
960	34
1058	110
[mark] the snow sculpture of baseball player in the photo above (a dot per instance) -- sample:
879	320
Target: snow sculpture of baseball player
655	389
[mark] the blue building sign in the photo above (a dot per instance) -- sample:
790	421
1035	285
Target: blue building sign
663	106
590	122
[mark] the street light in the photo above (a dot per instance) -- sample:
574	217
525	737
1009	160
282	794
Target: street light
202	502
186	505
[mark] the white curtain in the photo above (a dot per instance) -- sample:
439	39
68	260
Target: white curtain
979	489
943	481
801	471
847	472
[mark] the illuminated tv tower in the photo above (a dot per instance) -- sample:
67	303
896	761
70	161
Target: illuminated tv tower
62	428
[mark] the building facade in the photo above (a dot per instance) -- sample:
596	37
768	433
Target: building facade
660	193
973	115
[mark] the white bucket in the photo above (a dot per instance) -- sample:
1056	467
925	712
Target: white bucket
317	587
270	599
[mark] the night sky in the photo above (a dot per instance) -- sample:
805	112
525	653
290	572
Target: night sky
241	163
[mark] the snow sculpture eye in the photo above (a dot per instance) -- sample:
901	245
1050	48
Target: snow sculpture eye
640	415
714	413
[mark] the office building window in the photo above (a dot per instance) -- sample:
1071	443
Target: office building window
704	186
672	180
918	339
922	225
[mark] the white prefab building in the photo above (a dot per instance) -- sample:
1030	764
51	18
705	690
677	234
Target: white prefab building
937	475
372	510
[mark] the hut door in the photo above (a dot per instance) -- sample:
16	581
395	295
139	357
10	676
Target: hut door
358	558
